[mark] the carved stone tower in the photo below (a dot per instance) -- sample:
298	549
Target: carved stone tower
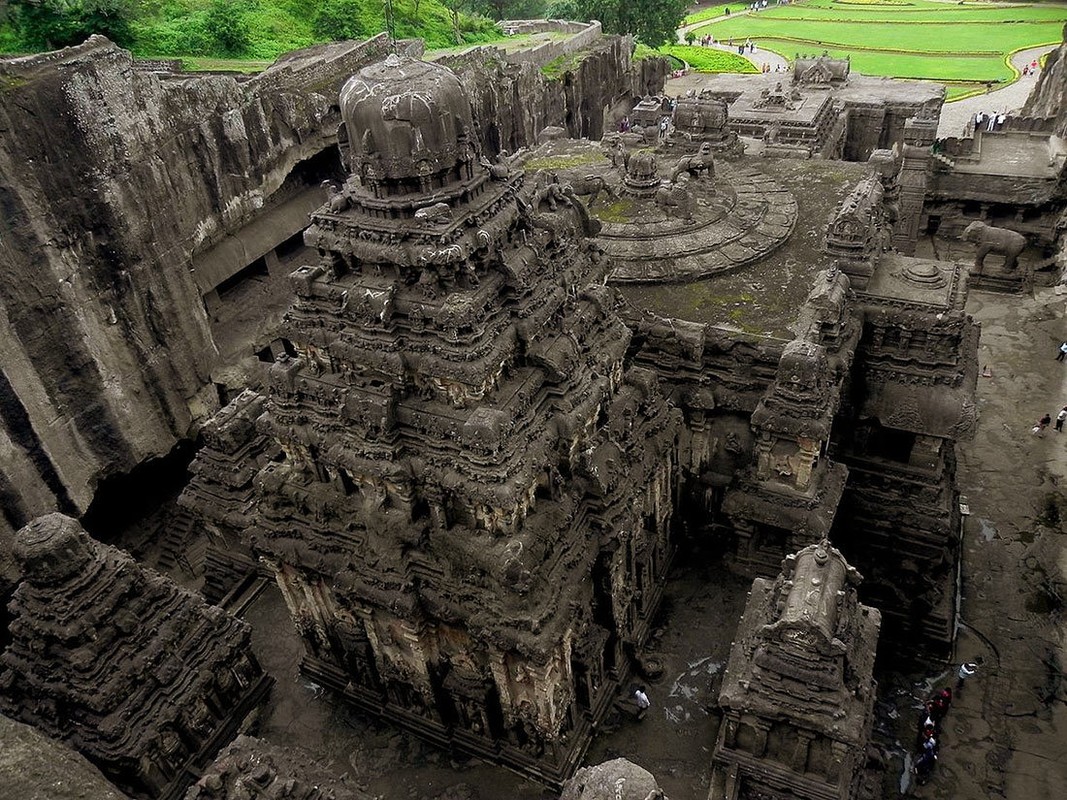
470	522
798	693
139	675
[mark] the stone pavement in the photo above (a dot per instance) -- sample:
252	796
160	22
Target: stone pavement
1006	731
955	116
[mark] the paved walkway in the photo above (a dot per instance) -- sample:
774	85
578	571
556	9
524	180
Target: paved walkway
955	116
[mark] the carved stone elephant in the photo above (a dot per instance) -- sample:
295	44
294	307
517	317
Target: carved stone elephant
988	240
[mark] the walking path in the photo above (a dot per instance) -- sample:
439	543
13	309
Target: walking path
955	116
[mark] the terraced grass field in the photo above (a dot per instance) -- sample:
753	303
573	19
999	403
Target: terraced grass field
964	44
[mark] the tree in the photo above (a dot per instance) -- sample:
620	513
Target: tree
46	24
339	20
454	8
654	22
227	25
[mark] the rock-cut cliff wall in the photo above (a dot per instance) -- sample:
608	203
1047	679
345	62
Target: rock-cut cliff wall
1049	97
110	180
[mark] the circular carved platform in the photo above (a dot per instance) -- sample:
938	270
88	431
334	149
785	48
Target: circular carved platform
665	215
738	216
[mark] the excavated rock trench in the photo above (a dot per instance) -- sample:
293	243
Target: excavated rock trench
1004	734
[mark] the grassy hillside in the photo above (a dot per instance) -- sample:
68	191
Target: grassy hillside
243	29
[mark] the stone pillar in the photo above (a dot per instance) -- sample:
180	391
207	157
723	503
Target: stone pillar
919	135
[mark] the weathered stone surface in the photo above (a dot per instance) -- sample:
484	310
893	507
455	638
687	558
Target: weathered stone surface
463	444
1048	99
613	780
129	195
34	767
250	767
798	693
138	675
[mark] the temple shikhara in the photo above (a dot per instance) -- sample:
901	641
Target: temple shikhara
453	397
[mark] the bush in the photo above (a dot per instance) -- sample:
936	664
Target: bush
45	24
339	19
706	59
226	24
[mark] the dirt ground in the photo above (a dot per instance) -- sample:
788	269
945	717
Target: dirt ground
1006	735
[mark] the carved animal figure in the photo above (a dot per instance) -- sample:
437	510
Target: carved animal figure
437	214
593	185
676	200
695	164
335	198
989	239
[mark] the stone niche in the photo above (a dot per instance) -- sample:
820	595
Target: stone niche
138	675
798	693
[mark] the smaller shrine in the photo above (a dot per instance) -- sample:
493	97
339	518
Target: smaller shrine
700	118
139	675
798	693
821	70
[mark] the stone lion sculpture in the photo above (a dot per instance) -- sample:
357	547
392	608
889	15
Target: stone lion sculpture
694	165
676	199
988	239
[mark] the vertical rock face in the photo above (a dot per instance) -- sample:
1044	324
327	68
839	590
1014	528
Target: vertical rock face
514	102
1049	97
470	523
111	180
135	673
798	692
34	767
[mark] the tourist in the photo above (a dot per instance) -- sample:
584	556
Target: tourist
966	670
942	702
991	121
1038	430
641	701
1063	352
664	124
924	766
1060	419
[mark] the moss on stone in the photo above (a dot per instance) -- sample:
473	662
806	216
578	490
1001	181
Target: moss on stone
565	161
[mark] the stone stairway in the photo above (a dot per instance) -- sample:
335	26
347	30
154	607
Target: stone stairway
175	548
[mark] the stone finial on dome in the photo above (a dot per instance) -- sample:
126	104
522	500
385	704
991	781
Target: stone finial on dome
51	549
407	124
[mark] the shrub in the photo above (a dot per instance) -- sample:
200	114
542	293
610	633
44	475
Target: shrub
226	24
339	19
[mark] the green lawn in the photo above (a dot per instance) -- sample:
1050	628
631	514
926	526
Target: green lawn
712	12
967	42
704	59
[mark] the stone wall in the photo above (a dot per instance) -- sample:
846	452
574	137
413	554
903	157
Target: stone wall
112	180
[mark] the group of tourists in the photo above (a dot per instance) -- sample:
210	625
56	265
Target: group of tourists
1031	68
992	120
928	741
